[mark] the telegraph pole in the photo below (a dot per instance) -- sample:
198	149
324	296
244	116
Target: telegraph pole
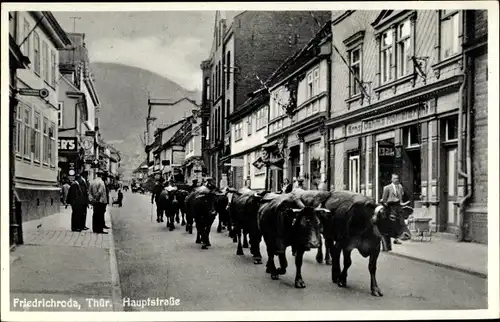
74	22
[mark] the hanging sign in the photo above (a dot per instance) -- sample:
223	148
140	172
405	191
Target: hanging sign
42	93
67	144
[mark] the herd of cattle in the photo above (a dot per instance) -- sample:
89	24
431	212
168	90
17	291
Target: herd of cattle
346	220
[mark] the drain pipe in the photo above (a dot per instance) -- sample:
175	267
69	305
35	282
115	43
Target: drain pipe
466	175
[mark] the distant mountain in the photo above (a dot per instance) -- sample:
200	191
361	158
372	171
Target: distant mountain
123	91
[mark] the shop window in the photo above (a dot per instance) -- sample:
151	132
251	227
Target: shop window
451	129
354	173
411	136
314	165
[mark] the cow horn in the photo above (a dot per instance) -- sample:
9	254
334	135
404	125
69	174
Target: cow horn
322	209
296	210
378	209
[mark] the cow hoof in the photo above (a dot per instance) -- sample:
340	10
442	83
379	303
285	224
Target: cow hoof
328	262
239	252
319	259
300	284
198	242
245	245
235	240
204	247
270	270
294	253
177	220
219	230
342	282
281	271
183	223
257	261
209	245
171	228
376	292
275	276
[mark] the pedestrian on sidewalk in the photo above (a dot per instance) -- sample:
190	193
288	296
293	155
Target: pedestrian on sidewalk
155	195
98	199
120	197
392	198
84	184
77	198
65	191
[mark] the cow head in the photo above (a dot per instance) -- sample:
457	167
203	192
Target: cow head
306	227
389	221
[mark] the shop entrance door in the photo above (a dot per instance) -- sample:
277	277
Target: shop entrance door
410	175
449	210
386	156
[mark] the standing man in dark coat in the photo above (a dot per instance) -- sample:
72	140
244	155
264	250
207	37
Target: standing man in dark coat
84	184
77	199
155	197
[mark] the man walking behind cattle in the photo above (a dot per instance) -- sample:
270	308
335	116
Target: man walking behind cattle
392	198
99	199
155	196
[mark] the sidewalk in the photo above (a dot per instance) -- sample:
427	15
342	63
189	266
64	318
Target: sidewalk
78	269
471	258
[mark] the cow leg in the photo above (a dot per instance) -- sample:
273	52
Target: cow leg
299	282
245	240
239	249
283	263
328	260
183	214
270	267
255	247
335	253
372	267
319	254
347	263
177	219
198	234
219	227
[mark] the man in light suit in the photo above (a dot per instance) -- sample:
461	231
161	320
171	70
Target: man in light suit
392	197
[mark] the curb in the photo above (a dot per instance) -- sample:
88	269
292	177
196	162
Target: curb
455	268
115	276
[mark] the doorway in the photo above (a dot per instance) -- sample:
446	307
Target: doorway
385	164
294	163
449	210
411	173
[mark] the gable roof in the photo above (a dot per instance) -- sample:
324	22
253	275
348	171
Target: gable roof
383	14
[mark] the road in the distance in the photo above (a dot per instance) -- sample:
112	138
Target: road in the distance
154	262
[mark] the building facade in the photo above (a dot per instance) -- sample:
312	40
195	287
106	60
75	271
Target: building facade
300	103
248	135
35	135
192	140
79	106
244	52
399	103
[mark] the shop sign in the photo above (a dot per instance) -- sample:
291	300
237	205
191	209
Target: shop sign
67	144
396	118
354	129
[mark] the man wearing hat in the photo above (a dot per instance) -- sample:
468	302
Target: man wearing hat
99	199
155	197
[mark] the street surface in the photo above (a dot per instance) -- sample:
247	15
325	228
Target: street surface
154	262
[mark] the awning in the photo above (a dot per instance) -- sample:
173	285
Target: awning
36	187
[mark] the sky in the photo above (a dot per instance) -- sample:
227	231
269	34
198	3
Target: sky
171	44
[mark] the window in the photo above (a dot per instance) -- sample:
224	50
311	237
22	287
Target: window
18	129
249	125
228	66
45	58
26	46
36	49
386	56
60	107
261	118
52	146
207	88
450	30
27	132
316	81
228	111
451	129
46	141
403	48
53	68
411	136
309	85
249	163
354	173
35	138
237	131
355	63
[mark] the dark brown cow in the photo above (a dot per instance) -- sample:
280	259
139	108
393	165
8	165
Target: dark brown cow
285	221
355	221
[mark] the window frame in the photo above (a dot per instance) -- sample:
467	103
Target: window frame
27	44
37	53
402	39
354	156
407	132
46	142
19	129
237	131
353	86
249	125
36	134
27	111
446	129
383	49
442	17
310	85
45	61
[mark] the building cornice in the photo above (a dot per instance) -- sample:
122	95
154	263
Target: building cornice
50	25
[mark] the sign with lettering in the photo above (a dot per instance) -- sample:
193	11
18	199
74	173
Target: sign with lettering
386	152
388	120
43	93
67	144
